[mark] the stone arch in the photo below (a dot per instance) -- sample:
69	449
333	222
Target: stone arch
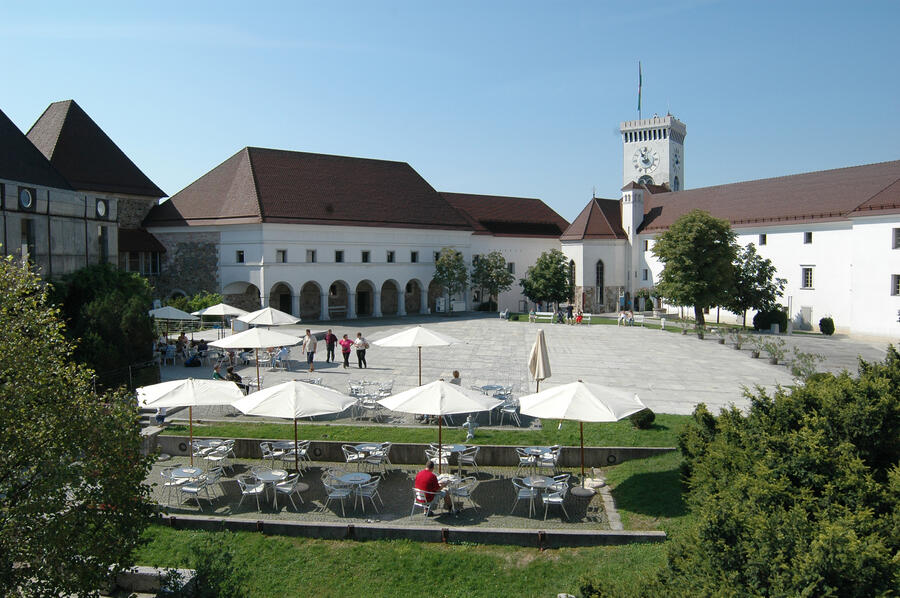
365	298
242	294
310	301
412	294
390	298
435	290
281	297
176	293
338	299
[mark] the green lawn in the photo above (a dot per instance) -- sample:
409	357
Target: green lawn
647	493
663	433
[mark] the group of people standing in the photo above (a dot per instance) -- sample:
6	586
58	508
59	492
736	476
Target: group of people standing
310	343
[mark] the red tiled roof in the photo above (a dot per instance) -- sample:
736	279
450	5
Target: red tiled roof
85	155
886	201
507	216
267	185
823	196
137	239
20	161
600	219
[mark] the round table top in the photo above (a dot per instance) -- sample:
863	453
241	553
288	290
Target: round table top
186	472
453	448
274	475
538	481
448	479
355	478
581	492
488	387
536	450
367	447
284	444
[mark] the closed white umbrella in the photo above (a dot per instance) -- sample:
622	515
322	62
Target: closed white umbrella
417	336
256	339
582	402
539	360
292	400
268	316
439	398
188	393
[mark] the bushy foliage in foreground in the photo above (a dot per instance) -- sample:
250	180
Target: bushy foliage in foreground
800	497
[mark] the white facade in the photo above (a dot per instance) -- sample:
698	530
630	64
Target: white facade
519	252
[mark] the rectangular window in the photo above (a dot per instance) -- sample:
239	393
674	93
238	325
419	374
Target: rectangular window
437	255
511	267
281	256
339	256
646	274
897	238
103	238
413	257
310	256
366	257
646	245
390	257
807	278
807	238
762	239
154	262
134	261
895	285
239	256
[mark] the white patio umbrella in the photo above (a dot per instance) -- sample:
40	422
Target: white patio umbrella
582	402
439	398
220	309
168	313
539	360
268	316
292	400
419	337
256	339
188	393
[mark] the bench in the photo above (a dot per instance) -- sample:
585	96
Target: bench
545	316
585	318
638	318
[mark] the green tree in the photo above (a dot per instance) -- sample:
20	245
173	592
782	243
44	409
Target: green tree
799	497
491	273
755	285
201	300
698	254
548	280
450	271
72	499
105	310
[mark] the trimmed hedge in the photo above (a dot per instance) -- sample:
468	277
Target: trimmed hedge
763	320
826	326
643	419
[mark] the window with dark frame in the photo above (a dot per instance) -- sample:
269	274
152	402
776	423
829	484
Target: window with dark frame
437	255
310	256
762	239
28	243
103	239
239	256
895	285
339	256
646	245
897	238
511	267
807	278
281	256
366	257
646	274
390	257
807	238
413	257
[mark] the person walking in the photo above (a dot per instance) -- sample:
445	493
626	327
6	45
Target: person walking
346	345
361	344
330	340
309	347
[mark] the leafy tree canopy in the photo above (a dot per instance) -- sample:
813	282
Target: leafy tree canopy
72	499
755	285
201	300
548	280
698	254
491	273
105	310
450	271
800	497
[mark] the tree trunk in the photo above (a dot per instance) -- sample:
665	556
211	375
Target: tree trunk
698	316
744	323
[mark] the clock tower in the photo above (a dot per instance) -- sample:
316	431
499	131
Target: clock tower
653	151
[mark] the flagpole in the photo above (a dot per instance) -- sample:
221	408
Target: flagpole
640	84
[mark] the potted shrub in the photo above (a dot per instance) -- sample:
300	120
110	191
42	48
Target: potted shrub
757	342
826	326
737	338
775	348
803	365
720	334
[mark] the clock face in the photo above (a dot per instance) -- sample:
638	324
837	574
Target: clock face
645	159
26	199
101	208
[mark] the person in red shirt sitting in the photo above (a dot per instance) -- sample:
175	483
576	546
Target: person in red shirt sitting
428	483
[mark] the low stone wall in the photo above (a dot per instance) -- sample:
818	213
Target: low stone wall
551	538
414	453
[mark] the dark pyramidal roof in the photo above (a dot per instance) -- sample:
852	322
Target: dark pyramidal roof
600	219
85	155
507	216
21	161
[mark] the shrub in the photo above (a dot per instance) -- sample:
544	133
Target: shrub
826	326
763	320
643	419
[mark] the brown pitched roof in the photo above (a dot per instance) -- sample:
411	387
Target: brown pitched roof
507	216
137	239
823	196
886	201
267	185
600	219
85	155
22	162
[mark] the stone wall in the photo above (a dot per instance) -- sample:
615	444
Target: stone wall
191	263
248	300
132	211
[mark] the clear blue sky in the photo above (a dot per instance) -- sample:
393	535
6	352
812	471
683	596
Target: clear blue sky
509	98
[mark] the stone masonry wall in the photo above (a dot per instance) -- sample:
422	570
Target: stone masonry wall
190	264
133	211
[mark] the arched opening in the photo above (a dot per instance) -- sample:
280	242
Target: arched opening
281	298
365	298
599	293
243	295
645	180
338	294
413	297
310	301
390	298
676	184
435	291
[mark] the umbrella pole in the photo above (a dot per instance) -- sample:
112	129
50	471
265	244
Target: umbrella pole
420	368
581	430
296	459
538	385
191	427
440	442
258	381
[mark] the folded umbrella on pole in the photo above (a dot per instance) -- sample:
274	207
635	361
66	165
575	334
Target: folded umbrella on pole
539	360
